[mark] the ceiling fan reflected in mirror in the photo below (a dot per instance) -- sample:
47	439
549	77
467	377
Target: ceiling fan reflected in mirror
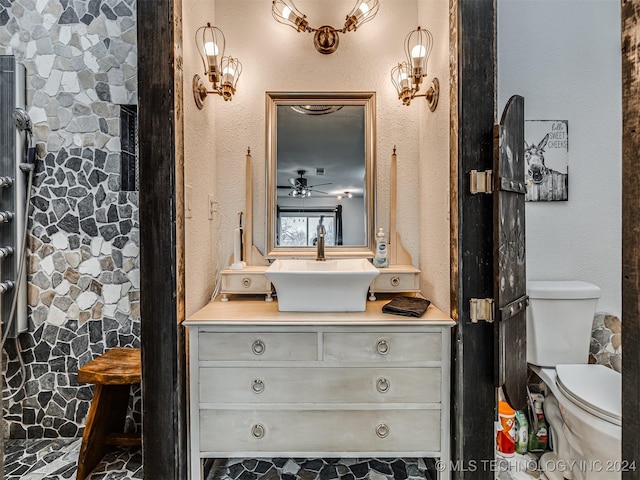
300	187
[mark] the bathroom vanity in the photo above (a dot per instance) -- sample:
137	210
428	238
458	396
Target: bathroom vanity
265	383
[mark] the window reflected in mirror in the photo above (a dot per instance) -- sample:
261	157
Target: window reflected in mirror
299	227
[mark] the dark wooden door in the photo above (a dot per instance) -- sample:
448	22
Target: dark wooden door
509	254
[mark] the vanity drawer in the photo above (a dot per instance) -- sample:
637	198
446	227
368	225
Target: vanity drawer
319	385
382	347
245	281
296	432
389	281
267	346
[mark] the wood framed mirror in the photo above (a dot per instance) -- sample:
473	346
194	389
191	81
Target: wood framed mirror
320	165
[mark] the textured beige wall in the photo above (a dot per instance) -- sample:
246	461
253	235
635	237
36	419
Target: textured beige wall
276	58
434	162
201	234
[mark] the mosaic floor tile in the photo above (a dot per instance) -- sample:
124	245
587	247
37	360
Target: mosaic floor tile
56	459
317	469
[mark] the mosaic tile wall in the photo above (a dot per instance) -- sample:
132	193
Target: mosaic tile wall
83	293
606	341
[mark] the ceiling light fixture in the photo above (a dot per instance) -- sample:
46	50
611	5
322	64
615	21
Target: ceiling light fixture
223	72
299	187
407	76
315	109
325	38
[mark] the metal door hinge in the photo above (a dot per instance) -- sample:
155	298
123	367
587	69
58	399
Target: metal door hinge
482	309
481	182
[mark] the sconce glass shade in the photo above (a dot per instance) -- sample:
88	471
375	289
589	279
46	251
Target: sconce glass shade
285	12
231	69
363	11
418	46
211	44
402	81
407	76
223	71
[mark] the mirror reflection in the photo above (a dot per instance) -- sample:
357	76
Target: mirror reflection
320	171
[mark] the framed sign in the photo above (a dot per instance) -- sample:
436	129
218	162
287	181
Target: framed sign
546	153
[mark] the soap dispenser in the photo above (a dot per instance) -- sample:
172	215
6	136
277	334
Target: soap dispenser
381	258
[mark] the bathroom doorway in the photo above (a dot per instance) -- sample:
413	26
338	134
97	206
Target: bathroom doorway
160	72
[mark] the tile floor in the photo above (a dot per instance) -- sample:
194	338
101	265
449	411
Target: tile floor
318	469
55	459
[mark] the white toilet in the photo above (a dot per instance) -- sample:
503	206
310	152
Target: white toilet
583	406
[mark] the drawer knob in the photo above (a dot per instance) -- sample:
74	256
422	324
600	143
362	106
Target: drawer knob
395	281
382	430
258	347
383	385
246	282
382	347
258	430
257	386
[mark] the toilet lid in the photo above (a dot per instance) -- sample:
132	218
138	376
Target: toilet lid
595	388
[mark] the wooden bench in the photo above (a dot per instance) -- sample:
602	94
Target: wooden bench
113	373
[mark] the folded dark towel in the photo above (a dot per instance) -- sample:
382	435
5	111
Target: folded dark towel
407	306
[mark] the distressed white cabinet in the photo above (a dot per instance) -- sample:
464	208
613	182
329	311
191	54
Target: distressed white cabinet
265	383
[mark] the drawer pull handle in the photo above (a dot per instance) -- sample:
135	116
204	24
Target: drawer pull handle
258	430
382	430
383	385
257	386
395	281
382	347
258	347
246	282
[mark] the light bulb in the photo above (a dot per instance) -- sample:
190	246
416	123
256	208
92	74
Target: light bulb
364	8
228	75
349	195
403	79
288	14
211	48
418	52
211	51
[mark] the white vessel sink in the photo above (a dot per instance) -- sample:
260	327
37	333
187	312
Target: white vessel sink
338	285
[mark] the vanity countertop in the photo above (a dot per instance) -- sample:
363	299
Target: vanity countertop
255	311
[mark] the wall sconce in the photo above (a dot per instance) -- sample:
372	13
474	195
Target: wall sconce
325	38
340	196
407	76
223	72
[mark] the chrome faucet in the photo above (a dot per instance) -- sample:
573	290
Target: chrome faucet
320	233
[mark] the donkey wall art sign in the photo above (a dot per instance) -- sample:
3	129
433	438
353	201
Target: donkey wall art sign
546	154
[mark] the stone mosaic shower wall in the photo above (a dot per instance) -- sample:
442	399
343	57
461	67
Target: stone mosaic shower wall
606	341
83	292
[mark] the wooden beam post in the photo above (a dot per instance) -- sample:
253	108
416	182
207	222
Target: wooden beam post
630	238
472	120
161	238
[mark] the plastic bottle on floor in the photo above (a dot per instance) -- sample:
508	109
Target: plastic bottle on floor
538	435
506	434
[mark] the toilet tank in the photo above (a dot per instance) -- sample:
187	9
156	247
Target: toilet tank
559	321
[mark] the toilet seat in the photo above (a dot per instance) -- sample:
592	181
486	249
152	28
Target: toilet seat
594	388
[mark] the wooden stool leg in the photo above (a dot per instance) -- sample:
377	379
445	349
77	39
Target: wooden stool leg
107	414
